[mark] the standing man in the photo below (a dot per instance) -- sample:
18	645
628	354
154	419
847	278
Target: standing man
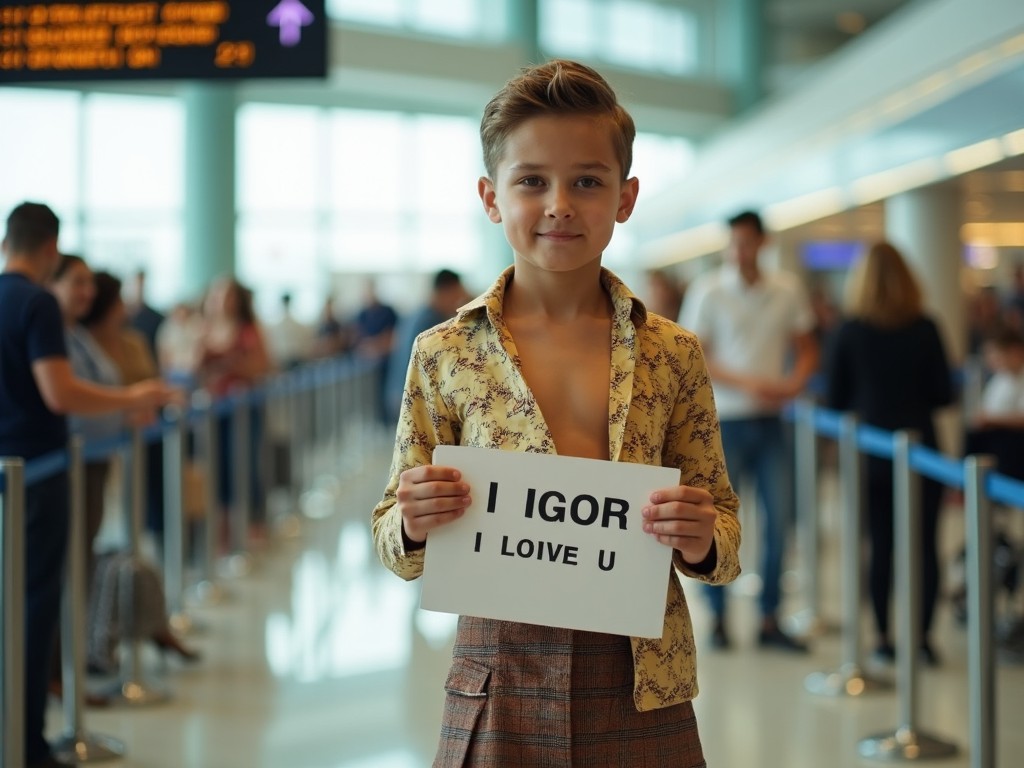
757	331
142	317
37	388
446	296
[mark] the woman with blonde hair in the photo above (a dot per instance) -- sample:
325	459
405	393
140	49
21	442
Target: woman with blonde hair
888	366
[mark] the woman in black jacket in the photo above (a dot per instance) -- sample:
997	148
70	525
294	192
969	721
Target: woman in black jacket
888	366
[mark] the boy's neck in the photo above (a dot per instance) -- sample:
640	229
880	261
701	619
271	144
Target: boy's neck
557	295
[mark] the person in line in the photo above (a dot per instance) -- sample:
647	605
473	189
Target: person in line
446	296
37	388
234	356
289	341
751	323
140	316
998	427
888	365
557	357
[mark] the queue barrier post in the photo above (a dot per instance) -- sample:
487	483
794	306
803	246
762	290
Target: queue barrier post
12	582
907	742
76	744
850	680
980	612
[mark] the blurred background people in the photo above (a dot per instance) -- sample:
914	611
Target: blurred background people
142	317
178	345
664	294
447	294
888	365
234	356
289	341
756	328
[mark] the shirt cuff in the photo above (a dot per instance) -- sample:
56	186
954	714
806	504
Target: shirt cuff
705	566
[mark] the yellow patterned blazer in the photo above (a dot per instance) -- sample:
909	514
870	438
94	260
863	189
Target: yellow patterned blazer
464	387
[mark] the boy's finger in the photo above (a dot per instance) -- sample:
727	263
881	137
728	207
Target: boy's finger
431	473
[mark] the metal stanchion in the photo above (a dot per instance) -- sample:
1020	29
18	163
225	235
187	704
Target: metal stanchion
239	562
907	742
807	621
208	592
12	580
132	689
175	457
849	680
981	670
77	745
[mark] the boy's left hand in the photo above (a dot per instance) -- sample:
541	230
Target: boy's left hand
682	517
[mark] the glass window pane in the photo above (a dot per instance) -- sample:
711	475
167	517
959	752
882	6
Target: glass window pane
659	161
135	152
567	27
458	18
39	133
369	160
387	12
281	255
122	244
448	164
370	243
279	155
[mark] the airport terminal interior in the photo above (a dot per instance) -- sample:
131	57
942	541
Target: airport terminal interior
328	195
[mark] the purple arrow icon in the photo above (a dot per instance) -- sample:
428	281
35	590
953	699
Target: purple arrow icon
290	16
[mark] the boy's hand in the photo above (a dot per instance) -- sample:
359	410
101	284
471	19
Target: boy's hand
682	517
430	496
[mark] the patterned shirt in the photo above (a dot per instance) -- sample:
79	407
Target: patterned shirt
465	387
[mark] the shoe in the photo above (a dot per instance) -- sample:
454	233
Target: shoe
719	637
773	637
884	654
168	643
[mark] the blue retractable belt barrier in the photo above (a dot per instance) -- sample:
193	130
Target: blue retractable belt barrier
827	423
1005	490
933	464
875	442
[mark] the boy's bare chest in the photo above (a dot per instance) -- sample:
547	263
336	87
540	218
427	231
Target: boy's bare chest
568	372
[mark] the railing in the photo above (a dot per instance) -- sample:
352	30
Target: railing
911	462
317	398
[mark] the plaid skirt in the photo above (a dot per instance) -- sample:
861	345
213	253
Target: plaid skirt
526	695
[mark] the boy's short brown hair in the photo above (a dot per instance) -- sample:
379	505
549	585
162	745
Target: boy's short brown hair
559	87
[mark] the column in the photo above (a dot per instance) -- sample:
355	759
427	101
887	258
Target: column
524	26
209	184
747	21
925	225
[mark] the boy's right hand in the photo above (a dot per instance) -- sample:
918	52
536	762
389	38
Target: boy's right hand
430	496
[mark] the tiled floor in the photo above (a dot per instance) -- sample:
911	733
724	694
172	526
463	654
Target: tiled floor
323	660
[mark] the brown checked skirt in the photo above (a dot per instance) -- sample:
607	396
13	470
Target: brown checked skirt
521	695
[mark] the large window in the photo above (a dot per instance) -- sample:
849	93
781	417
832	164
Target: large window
110	167
464	19
642	34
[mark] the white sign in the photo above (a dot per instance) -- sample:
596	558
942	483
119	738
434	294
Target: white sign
551	540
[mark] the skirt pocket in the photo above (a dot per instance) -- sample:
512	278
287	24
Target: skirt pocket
465	699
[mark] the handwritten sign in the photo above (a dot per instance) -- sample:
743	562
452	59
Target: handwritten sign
551	540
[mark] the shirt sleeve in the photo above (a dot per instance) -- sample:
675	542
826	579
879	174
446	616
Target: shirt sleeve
44	329
424	422
693	442
838	372
803	320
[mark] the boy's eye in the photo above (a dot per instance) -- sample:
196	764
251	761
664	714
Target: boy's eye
589	182
531	181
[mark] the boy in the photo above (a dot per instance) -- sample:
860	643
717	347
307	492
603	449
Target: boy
560	357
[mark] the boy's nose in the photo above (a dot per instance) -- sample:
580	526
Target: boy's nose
559	205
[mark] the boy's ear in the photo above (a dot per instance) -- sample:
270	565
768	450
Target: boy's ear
627	199
485	188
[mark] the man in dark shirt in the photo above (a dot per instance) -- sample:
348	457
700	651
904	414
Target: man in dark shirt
142	317
36	389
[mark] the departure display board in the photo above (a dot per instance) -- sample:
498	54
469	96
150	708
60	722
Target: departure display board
216	39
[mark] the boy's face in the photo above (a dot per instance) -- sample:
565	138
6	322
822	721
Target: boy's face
558	191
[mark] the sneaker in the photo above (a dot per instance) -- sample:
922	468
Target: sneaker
719	637
775	638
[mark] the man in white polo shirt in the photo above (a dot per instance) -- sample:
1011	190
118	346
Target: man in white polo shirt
756	330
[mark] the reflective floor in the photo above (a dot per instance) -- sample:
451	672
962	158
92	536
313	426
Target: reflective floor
321	659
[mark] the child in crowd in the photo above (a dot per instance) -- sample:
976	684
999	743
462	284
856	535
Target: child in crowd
559	356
